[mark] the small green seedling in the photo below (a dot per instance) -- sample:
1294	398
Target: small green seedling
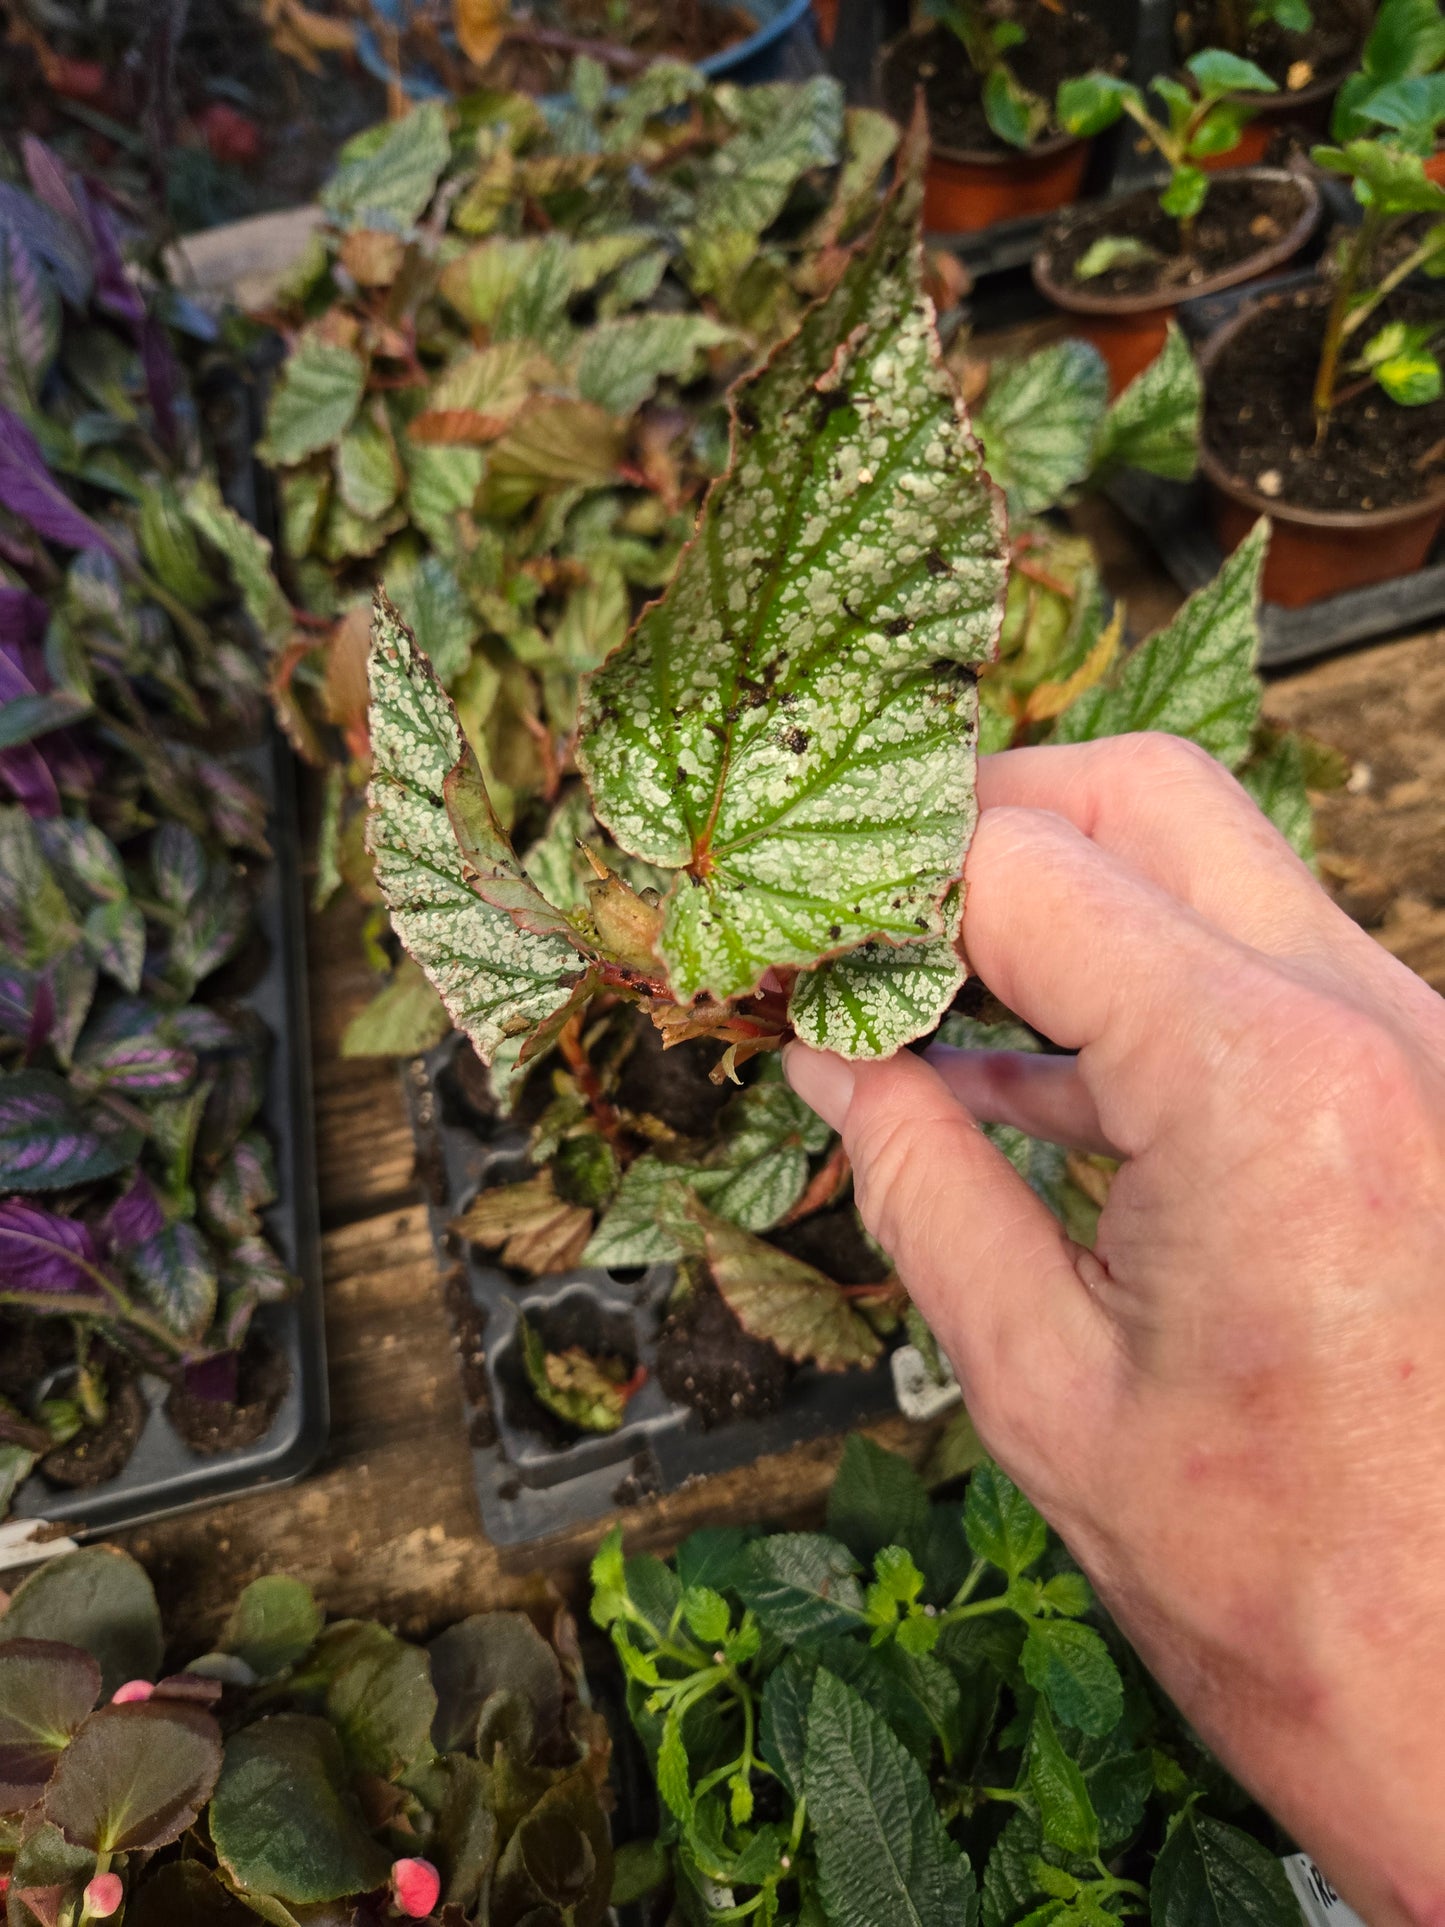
1015	114
1391	186
1204	118
1406	47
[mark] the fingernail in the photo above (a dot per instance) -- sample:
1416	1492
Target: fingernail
824	1082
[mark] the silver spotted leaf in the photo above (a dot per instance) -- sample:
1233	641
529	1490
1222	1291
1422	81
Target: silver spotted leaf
792	726
871	1001
495	977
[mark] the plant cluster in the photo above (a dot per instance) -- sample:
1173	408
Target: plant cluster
782	756
300	1772
503	395
919	1714
1204	116
127	665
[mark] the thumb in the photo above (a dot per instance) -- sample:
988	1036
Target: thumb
982	1256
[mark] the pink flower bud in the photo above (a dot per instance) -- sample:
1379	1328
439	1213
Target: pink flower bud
417	1886
103	1896
134	1689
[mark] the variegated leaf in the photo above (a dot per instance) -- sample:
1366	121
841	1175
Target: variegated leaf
870	1001
1039	423
495	977
793	724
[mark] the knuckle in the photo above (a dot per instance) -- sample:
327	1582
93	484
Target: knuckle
1160	759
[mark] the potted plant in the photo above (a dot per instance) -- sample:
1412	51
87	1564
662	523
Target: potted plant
988	71
299	1771
1307	47
1323	409
1122	269
618	990
133	1176
916	1710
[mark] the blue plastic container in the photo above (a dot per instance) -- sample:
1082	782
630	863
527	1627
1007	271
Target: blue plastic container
783	48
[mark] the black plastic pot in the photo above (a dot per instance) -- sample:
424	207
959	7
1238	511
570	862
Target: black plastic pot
531	1478
163	1475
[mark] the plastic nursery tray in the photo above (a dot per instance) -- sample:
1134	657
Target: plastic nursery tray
531	1478
1175	517
163	1475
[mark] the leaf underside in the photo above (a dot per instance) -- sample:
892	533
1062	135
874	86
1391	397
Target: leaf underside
792	725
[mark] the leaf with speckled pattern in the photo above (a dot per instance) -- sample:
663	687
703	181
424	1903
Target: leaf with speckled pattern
495	977
793	724
876	998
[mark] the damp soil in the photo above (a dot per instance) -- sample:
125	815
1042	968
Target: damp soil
214	1425
1259	421
98	1453
1061	42
706	1360
1294	61
1243	215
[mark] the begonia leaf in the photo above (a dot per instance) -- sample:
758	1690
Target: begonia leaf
134	1776
46	1691
792	725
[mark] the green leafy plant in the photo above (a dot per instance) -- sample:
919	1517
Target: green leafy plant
504	398
298	1772
132	1178
1240	20
1391	187
797	709
1397	85
1202	118
1016	114
917	1715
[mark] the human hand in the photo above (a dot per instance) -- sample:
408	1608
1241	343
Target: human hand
1233	1409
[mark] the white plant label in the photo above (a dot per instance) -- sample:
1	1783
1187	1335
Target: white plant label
1319	1903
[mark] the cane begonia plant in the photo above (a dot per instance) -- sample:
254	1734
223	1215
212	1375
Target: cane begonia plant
132	1179
299	1771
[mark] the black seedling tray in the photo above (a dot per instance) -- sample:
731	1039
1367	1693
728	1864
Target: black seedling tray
1175	517
532	1478
163	1475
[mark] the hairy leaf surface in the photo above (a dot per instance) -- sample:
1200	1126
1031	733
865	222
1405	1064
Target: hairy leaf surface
792	725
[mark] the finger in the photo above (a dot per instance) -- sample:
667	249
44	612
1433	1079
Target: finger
1106	963
1045	1096
1166	808
984	1259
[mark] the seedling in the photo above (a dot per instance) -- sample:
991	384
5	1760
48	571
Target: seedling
1201	119
1238	20
1391	187
919	1705
1017	115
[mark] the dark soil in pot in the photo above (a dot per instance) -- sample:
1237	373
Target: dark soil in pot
1061	44
706	1360
1244	215
30	1349
672	1085
214	1425
1259	420
99	1452
1294	61
832	1241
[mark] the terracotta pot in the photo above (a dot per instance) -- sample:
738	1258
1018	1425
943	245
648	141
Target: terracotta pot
1129	329
1313	553
1309	108
966	189
825	19
1435	167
